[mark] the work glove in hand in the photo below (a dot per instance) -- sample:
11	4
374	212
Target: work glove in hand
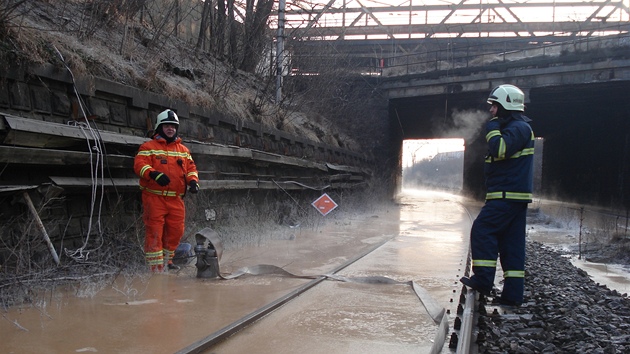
161	178
194	187
493	124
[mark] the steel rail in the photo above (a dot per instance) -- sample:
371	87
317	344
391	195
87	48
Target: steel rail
223	333
464	343
467	317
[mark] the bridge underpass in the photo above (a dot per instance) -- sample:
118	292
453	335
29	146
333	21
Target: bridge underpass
364	35
577	100
585	129
437	62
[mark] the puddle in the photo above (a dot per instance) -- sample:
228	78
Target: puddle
614	276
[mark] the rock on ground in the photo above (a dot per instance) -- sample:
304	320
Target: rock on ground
564	312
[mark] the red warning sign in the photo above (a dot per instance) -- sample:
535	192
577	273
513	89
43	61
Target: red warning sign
324	204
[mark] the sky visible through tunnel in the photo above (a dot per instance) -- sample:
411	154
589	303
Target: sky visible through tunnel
422	149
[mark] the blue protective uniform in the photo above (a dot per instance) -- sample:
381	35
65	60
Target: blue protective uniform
499	229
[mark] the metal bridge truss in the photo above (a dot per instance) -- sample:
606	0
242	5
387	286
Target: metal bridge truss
367	32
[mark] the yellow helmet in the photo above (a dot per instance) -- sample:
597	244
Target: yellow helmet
508	96
167	116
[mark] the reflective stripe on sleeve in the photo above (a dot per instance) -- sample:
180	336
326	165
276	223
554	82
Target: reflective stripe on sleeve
491	134
144	168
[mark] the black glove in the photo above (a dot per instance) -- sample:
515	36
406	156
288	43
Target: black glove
194	187
493	124
161	178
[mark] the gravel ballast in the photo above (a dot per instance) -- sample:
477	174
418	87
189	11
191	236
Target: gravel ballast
564	311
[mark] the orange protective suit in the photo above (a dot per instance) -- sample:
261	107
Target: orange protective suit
164	210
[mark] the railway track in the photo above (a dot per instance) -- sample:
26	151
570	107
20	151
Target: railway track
366	283
228	338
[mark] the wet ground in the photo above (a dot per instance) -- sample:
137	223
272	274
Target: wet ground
427	241
563	239
164	313
428	245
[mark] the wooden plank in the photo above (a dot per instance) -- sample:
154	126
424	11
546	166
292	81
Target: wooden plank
286	160
340	177
34	126
35	133
78	182
216	150
67	182
37	140
344	168
16	188
235	174
41	227
229	184
34	156
347	185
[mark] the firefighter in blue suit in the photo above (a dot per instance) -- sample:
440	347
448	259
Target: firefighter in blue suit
499	229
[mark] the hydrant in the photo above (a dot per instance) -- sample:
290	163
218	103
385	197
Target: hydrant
208	251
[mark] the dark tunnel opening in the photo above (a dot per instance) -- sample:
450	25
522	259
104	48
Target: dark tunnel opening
585	157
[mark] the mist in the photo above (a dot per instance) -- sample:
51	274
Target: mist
466	124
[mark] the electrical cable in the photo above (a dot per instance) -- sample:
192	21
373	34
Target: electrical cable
81	254
290	196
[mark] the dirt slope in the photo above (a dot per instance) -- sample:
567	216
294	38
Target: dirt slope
100	41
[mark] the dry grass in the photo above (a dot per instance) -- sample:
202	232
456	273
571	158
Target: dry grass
99	46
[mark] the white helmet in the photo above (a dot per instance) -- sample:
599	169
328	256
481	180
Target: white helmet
167	116
508	96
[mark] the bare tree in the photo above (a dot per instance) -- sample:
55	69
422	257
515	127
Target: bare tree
255	30
203	25
220	30
233	32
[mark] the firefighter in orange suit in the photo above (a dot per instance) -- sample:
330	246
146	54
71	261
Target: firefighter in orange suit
166	170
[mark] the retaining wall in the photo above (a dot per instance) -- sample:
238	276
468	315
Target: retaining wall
79	175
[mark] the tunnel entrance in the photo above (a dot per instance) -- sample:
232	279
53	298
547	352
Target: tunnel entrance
433	164
585	128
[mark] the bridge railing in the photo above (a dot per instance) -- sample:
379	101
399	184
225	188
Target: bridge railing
507	53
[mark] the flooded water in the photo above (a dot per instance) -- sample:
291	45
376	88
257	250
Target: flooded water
428	245
564	238
427	242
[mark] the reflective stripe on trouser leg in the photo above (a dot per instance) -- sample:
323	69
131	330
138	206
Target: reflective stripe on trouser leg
173	226
168	256
493	220
512	255
154	258
154	212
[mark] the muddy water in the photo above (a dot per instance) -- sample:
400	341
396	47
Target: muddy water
429	248
167	312
614	276
564	240
164	313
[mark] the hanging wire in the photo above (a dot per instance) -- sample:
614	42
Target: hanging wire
96	171
302	185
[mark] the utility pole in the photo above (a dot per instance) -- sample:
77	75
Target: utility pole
280	50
